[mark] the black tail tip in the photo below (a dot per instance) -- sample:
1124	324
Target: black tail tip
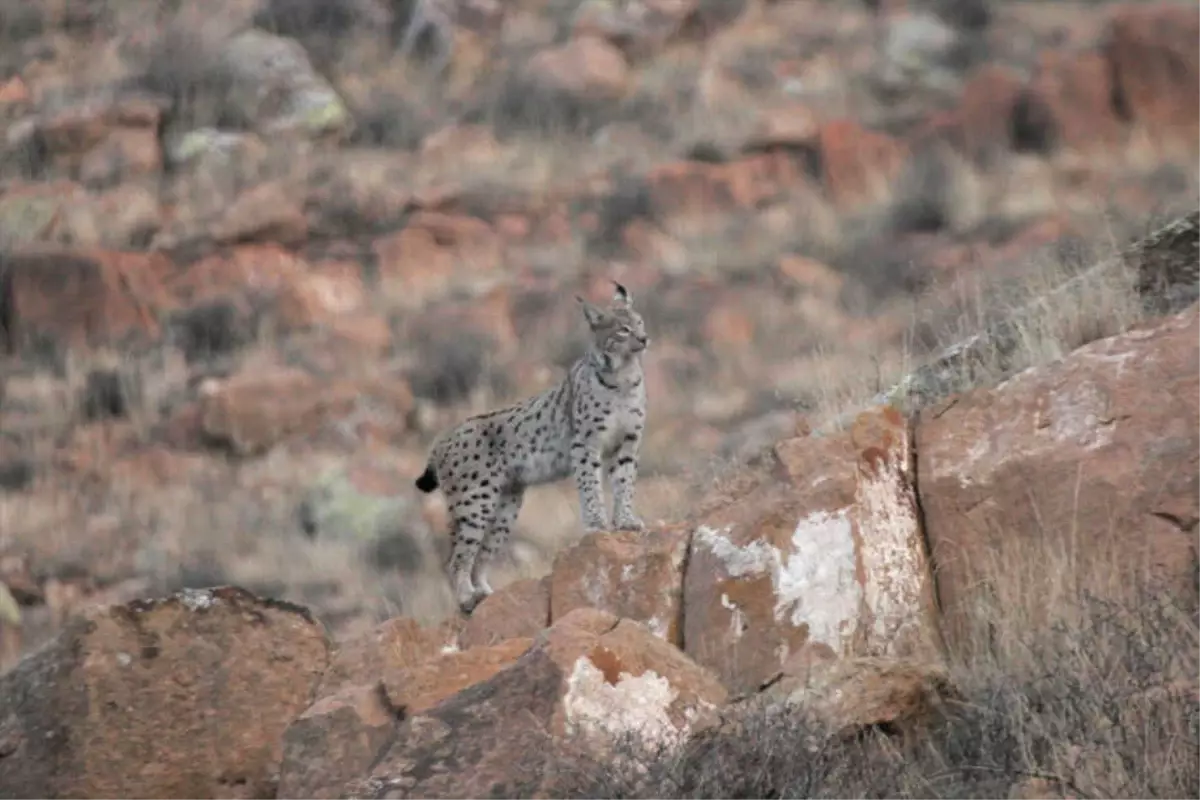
428	480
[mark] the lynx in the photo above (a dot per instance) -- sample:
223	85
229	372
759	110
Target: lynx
590	423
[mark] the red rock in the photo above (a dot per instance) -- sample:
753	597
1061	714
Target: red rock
857	165
187	696
827	555
253	411
986	109
336	739
786	126
1093	458
234	273
14	92
729	327
84	298
813	275
416	689
858	694
696	189
330	291
433	254
268	212
122	218
105	141
1068	103
587	67
589	678
520	609
1152	51
632	575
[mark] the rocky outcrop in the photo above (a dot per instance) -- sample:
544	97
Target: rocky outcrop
588	678
828	556
1094	457
187	696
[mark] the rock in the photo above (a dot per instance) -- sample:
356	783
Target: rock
688	193
827	555
186	696
638	30
341	736
1068	103
335	740
102	141
588	678
857	165
855	694
32	213
417	688
1168	265
275	86
633	575
520	609
124	217
985	112
793	125
330	293
252	412
918	50
433	254
268	212
392	645
585	67
234	274
84	298
352	719
1156	68
1094	456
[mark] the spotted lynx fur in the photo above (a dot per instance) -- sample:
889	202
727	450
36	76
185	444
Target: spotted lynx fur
590	423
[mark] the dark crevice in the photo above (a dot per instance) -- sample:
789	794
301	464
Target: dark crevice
930	559
680	618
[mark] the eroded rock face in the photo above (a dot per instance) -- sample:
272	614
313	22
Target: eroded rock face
183	697
827	557
1096	456
589	676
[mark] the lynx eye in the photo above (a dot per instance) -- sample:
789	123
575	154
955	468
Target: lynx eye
622	333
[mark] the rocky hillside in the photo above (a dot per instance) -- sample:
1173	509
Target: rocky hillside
996	597
252	259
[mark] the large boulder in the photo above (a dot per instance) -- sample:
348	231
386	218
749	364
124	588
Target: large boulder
1094	458
587	679
825	556
183	697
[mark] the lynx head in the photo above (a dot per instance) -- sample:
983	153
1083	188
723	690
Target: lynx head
618	331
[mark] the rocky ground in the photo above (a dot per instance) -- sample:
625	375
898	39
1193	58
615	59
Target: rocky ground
252	260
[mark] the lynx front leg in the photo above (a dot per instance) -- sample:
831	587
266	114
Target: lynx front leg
622	474
586	464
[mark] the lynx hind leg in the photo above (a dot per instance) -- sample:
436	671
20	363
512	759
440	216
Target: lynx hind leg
508	506
471	520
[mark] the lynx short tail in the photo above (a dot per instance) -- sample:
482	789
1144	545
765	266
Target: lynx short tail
428	480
